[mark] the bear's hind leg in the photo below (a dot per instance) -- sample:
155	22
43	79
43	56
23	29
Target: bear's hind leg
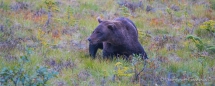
107	54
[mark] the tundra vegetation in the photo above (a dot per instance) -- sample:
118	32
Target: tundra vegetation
43	42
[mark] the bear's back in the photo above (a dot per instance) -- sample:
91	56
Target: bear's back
130	29
123	19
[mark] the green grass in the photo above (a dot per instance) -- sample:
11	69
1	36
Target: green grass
76	19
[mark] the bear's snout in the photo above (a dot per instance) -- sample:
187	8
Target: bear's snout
89	39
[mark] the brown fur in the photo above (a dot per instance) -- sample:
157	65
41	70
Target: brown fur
119	37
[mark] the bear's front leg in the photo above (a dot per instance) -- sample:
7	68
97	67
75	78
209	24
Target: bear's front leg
93	49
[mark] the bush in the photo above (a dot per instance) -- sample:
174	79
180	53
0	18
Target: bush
206	29
19	75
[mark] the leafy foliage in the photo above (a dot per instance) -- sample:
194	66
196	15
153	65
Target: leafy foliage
209	26
121	70
211	49
200	45
19	75
198	42
51	5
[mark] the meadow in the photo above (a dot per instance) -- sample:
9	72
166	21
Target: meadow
44	42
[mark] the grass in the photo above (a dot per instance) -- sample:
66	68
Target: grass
61	44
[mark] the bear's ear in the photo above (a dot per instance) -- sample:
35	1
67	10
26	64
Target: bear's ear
99	20
110	26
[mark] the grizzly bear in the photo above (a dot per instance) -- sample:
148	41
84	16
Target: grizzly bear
116	37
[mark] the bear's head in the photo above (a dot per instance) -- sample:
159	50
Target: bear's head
104	32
